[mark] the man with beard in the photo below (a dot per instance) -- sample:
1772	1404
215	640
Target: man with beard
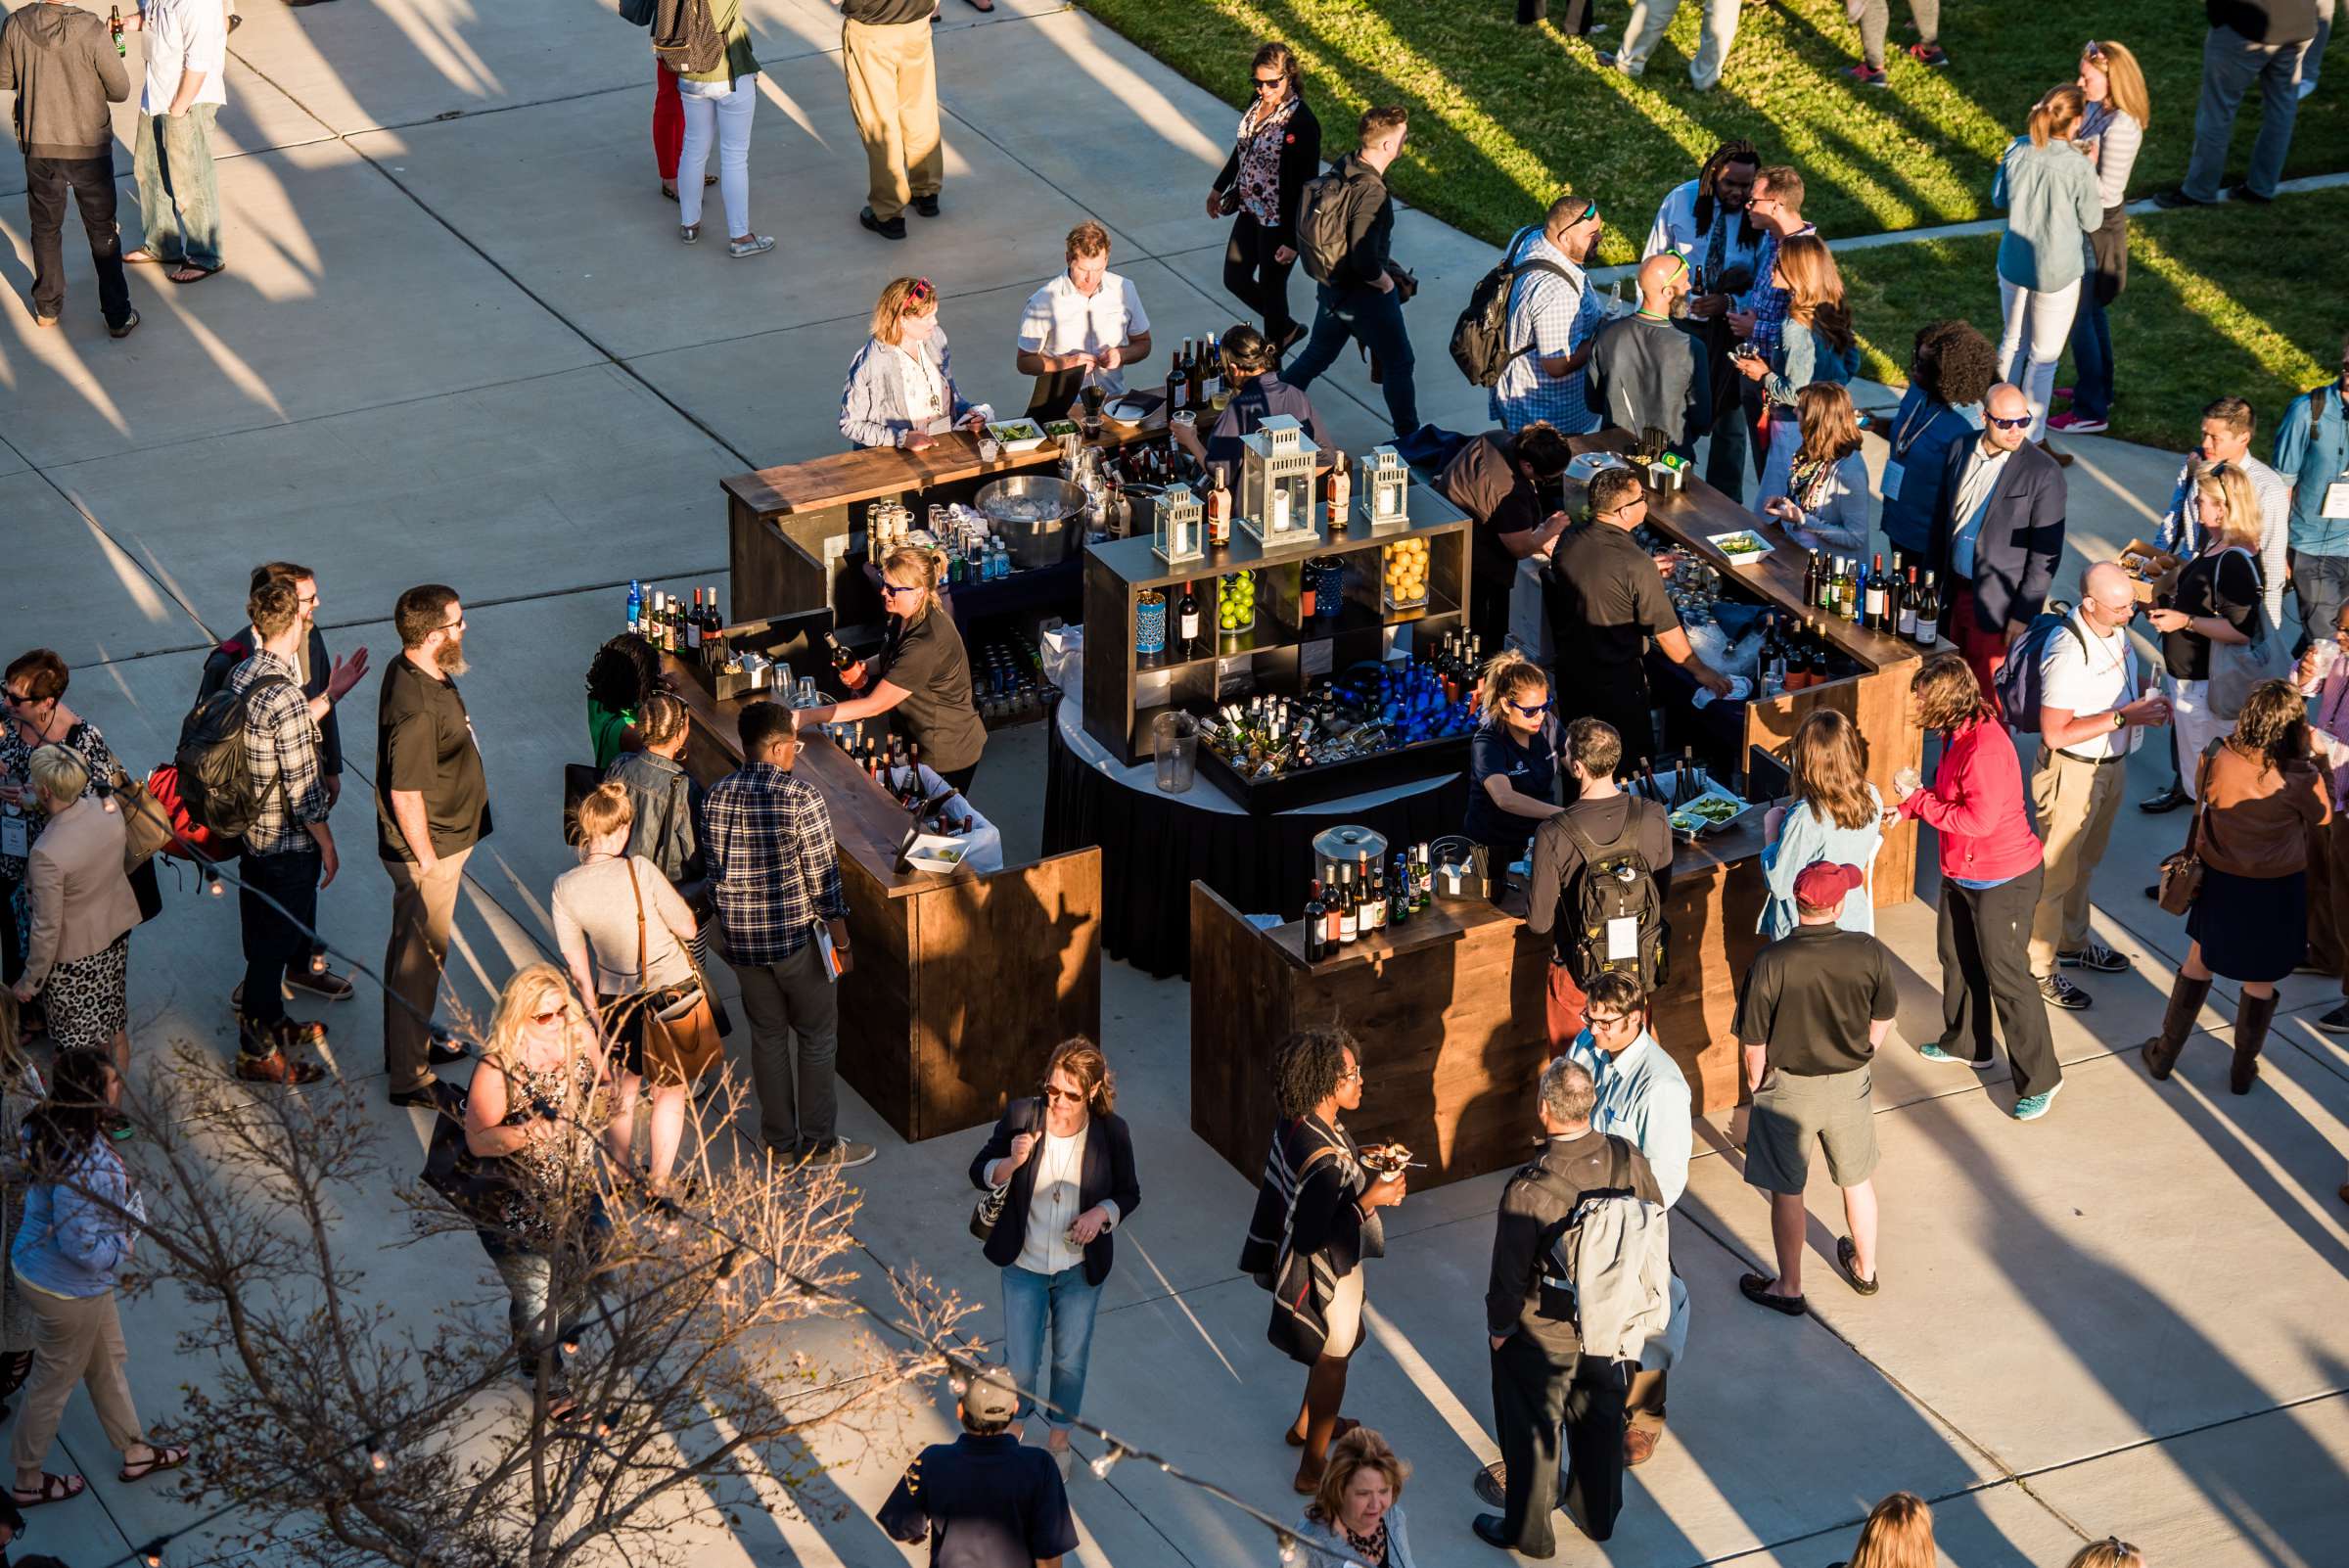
431	807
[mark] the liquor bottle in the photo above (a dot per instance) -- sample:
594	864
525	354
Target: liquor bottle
693	626
1316	925
1928	614
1219	514
635	606
1873	608
1350	911
1187	618
1341	494
1906	624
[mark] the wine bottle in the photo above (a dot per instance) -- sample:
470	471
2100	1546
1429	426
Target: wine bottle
1174	385
1211	383
1905	622
1219	514
1929	612
1194	372
1684	787
1810	579
1341	494
1349	910
1874	607
1317	926
1188	621
693	628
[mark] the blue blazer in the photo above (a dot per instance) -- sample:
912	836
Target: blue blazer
2021	537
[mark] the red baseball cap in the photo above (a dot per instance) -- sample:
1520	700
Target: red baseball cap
1822	884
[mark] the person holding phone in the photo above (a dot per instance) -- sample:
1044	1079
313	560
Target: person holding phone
901	390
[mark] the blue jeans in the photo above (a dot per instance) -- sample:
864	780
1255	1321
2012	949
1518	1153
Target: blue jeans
179	195
1375	321
2230	64
2092	354
1065	1303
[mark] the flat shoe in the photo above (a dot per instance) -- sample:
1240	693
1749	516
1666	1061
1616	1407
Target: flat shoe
1849	1256
1756	1289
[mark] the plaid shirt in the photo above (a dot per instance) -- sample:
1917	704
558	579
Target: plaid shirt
1556	316
773	863
1765	299
281	758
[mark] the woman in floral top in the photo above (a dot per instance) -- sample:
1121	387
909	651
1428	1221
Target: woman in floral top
36	716
530	1120
1278	148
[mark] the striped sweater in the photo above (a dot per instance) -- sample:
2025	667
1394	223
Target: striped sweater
2118	137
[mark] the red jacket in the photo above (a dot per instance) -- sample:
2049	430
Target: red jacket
1976	803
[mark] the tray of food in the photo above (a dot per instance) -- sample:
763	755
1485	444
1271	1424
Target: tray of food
934	851
1017	435
1057	427
1743	547
1710	812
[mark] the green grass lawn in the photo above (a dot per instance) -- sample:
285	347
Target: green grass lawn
2234	298
1501	114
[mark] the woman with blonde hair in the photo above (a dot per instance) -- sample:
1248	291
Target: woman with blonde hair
924	678
1898	1534
2217	599
1060	1170
1356	1512
2259	794
1824	505
2054	203
1832	813
529	1124
1816	345
901	390
83	911
2111	130
2111	1552
1513	759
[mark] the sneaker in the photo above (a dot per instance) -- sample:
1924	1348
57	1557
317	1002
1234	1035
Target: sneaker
2335	1022
1934	1053
2244	193
2078	423
842	1152
1867	76
1929	54
276	1067
2031	1107
2097	956
2174	197
926	206
753	244
690	233
320	982
893	229
130	323
2168	800
2061	993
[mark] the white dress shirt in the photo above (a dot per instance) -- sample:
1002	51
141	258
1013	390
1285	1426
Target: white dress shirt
1059	320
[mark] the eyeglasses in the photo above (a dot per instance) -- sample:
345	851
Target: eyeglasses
2023	423
1270	84
1352	1075
1602	1021
1531	709
1070	1095
457	624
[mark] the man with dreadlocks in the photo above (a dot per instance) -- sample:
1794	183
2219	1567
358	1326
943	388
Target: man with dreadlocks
1316	1225
1707	223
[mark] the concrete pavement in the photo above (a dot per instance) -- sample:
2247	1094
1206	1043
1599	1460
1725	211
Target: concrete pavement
459	340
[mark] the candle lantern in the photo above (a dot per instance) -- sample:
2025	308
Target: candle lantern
1277	483
1178	531
1382	484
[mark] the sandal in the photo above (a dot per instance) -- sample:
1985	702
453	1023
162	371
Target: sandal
159	1457
188	274
144	258
53	1489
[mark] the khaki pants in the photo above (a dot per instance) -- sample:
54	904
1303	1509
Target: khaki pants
72	1340
2076	803
2328	896
422	908
892	91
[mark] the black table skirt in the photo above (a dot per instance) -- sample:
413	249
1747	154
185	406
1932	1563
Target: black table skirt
1153	845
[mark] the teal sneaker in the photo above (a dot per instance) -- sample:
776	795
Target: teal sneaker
2031	1107
1934	1053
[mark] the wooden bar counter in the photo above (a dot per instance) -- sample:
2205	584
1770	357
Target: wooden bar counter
962	983
1450	1009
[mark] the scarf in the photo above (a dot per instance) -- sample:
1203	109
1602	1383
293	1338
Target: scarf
1262	136
1809	481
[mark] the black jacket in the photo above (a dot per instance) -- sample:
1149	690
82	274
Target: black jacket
2264	21
1299	161
1108	1173
222	662
1370	224
2020	540
1533	1210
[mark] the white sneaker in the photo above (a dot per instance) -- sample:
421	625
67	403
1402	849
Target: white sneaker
755	244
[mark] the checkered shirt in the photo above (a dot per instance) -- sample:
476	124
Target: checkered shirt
1556	315
281	759
773	862
1765	299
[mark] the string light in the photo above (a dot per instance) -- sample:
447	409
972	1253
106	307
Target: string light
152	1553
1107	1462
377	1459
1288	1546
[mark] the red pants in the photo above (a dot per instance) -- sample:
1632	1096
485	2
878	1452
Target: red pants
669	123
1562	1009
1984	652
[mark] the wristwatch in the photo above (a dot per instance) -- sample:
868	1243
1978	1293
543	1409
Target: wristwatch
2119	719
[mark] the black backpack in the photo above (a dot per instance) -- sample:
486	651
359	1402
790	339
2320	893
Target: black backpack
215	784
1323	223
1614	883
2022	682
685	36
1480	338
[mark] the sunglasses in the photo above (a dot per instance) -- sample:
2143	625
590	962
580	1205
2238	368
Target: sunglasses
2024	422
1531	709
1270	84
2092	50
889	591
918	293
1051	1093
18	699
543	1019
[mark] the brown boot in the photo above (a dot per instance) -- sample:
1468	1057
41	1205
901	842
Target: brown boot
2187	998
2252	1015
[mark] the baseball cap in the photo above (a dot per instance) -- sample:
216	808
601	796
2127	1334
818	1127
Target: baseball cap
1822	884
989	1396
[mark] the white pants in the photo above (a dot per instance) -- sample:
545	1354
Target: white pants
2197	726
1651	19
2038	326
712	111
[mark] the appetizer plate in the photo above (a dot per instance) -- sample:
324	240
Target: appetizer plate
1743	547
1017	435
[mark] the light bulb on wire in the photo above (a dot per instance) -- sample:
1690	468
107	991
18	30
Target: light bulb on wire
1107	1462
1288	1548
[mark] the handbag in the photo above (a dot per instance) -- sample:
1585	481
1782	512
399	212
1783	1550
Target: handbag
2237	668
471	1183
2182	869
146	825
990	1207
681	1038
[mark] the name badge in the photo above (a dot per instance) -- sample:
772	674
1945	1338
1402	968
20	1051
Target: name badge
2336	498
16	840
1892	480
1623	939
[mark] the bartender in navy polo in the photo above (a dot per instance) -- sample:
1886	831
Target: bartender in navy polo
983	1500
923	683
1257	393
1512	760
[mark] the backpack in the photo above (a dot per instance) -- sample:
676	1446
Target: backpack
1614	885
685	37
1605	1244
2022	682
1324	210
1480	337
215	787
